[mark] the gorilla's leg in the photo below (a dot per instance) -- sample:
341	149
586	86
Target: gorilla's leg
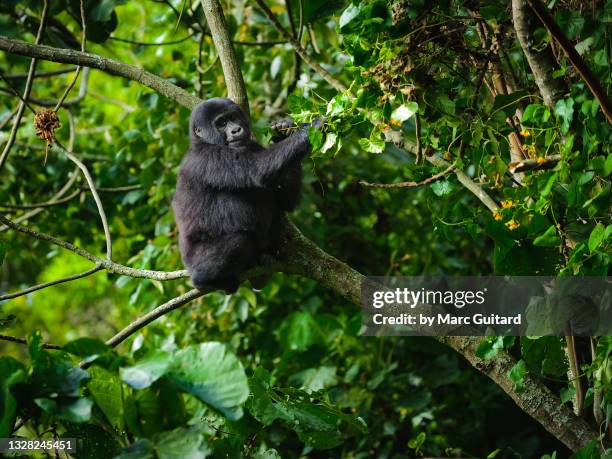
217	264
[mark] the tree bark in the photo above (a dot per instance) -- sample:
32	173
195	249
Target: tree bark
299	255
542	62
236	89
110	66
568	48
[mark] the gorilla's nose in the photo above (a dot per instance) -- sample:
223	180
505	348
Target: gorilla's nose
236	130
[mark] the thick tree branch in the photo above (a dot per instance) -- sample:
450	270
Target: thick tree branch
236	89
540	60
535	399
298	255
568	48
110	66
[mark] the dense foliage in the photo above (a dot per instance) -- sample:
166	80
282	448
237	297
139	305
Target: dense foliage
283	372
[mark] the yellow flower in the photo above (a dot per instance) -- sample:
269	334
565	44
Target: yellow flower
540	160
525	133
507	204
497	216
512	224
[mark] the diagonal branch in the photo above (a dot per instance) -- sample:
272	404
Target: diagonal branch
10	296
108	265
94	61
156	313
568	48
428	180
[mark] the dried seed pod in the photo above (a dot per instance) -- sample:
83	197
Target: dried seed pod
45	123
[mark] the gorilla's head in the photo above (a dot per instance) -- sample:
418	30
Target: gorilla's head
219	122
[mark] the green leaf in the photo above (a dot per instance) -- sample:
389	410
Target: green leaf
549	238
442	187
105	388
571	22
181	443
596	237
608	166
11	373
348	15
93	441
3	250
213	375
299	331
564	109
508	103
147	371
330	141
404	112
73	409
375	146
315	379
517	375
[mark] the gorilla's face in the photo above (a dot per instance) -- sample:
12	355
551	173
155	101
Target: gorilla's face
219	122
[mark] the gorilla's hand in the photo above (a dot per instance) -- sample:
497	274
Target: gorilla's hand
284	127
319	123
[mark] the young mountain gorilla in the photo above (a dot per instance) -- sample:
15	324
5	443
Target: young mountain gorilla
231	194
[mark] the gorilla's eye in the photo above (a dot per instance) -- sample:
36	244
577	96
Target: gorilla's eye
221	122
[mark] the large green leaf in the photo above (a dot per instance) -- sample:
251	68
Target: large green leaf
212	374
11	373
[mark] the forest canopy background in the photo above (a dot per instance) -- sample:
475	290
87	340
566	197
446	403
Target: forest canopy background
463	138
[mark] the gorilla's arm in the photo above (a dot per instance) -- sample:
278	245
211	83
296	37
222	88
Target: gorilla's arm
247	167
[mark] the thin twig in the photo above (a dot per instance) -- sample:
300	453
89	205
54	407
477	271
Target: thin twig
417	133
34	288
47	74
78	69
8	118
75	100
38	205
336	84
13	91
13	339
109	265
92	187
159	311
59	195
118	189
163	43
428	180
27	90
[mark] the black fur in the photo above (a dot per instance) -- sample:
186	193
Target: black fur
231	193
